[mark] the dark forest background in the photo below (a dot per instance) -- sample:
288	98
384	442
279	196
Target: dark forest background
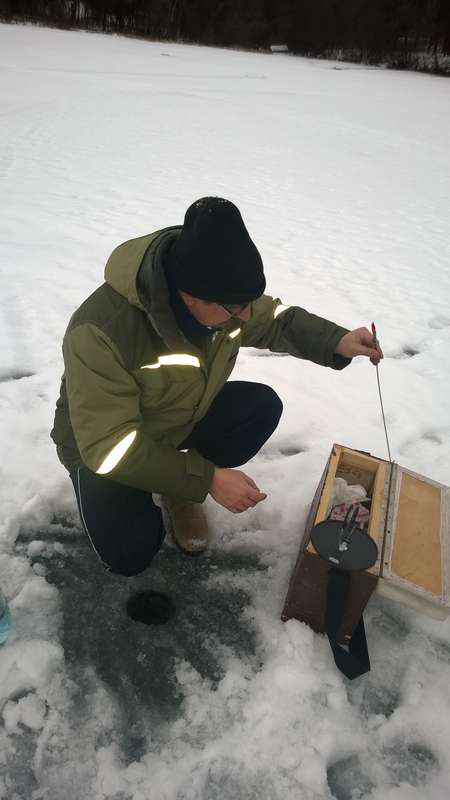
412	34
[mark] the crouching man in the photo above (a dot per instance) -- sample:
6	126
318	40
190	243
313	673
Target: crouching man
146	406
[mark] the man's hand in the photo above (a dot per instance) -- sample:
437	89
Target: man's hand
359	343
234	490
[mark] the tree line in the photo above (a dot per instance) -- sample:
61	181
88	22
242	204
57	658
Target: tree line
412	34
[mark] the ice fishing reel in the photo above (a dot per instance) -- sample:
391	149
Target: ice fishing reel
344	544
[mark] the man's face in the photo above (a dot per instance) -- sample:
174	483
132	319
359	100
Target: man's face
213	314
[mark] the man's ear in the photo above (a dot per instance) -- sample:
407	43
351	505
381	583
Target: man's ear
188	298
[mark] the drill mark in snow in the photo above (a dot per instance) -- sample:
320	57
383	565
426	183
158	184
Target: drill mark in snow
439	322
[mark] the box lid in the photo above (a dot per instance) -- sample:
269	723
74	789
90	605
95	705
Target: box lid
416	548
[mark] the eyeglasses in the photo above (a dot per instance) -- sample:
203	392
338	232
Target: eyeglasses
234	311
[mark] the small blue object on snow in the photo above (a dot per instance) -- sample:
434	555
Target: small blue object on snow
5	618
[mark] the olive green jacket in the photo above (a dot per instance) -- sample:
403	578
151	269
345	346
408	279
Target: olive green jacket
134	387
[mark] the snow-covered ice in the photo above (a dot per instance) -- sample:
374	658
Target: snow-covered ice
343	179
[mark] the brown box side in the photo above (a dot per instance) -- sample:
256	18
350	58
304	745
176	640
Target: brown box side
307	595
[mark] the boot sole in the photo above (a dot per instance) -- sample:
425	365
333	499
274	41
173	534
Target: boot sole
191	553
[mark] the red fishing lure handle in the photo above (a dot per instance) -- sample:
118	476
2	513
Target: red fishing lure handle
374	333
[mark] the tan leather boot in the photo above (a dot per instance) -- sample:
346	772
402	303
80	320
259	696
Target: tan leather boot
189	527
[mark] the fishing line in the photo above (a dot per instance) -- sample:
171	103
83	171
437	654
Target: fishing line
375	342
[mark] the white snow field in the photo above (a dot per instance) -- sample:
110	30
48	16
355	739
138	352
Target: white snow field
342	176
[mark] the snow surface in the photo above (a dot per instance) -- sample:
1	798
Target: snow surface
342	176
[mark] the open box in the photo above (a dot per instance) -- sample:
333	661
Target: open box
410	523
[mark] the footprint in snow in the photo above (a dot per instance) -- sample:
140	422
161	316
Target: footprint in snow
292	451
439	321
15	376
346	777
433	436
407	352
264	354
285	451
223	777
409	763
404	763
436	438
378	699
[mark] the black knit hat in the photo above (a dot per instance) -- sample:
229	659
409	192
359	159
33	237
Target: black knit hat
214	257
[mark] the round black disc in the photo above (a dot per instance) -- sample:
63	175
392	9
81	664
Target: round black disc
362	551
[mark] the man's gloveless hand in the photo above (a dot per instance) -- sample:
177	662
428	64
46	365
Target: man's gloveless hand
234	490
359	343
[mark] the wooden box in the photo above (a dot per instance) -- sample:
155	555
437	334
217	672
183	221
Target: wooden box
410	522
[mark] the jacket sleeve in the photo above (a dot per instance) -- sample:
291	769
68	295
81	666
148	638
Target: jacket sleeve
291	329
104	407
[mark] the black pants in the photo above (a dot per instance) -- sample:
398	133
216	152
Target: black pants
124	525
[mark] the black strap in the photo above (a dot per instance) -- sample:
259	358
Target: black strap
355	662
